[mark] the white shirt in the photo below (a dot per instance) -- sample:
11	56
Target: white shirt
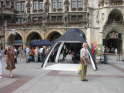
27	50
84	52
36	51
41	50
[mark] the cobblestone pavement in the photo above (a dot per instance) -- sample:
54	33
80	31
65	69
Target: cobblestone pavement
30	78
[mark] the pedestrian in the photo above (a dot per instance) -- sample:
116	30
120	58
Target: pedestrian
84	58
1	68
93	51
116	54
36	54
106	49
15	55
41	51
10	65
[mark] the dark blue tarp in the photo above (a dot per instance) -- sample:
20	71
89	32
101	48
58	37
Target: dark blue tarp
40	43
72	35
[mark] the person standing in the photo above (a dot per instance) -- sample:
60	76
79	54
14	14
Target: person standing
105	55
10	65
41	52
36	54
1	69
93	51
84	58
116	54
27	50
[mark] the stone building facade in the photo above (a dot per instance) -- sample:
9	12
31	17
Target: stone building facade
25	20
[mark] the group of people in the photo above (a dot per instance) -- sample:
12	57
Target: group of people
10	54
10	57
36	54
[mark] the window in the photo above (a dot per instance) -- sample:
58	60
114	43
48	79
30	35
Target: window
38	5
57	4
19	20
41	5
20	6
8	5
80	3
73	4
76	3
35	5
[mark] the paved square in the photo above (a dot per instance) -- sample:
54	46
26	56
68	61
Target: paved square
31	78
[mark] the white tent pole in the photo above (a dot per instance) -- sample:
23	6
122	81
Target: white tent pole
46	60
92	62
59	50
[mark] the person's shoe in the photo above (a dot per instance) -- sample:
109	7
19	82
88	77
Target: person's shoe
84	80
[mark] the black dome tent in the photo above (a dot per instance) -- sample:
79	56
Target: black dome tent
74	36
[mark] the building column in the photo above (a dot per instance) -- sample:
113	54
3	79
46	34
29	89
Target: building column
88	36
24	39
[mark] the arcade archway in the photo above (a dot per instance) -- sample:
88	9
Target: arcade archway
115	16
15	40
113	41
33	36
53	36
112	31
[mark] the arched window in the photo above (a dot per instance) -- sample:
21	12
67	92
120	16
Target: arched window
115	16
53	36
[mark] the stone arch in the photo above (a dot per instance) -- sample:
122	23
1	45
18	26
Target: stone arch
15	39
113	40
114	29
115	16
33	36
33	31
54	35
10	33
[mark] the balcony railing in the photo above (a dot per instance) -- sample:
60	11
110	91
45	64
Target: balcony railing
116	3
7	11
53	19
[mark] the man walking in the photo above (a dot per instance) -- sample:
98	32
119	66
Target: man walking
84	58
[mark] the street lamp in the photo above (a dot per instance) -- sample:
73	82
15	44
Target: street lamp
66	5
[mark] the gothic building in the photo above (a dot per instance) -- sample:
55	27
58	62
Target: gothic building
22	21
